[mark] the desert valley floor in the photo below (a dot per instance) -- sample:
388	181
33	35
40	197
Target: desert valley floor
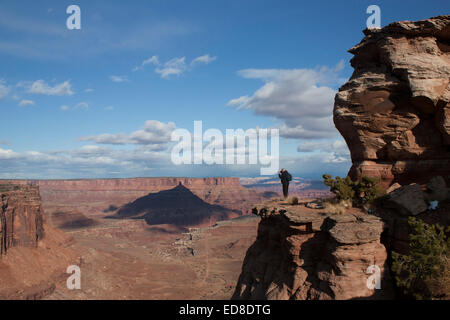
127	259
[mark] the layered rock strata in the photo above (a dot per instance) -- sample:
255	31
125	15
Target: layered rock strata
21	221
306	254
100	197
394	112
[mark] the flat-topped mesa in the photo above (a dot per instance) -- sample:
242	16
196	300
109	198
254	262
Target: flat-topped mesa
394	112
21	221
100	197
307	254
135	184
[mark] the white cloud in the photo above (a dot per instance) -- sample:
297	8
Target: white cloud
82	105
338	146
86	162
42	87
331	151
119	79
297	97
25	103
89	90
205	59
4	90
153	133
175	66
6	154
154	60
109	108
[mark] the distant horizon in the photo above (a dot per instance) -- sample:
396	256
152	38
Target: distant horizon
156	177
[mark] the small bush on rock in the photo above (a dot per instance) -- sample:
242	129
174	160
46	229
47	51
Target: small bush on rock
361	192
425	268
342	188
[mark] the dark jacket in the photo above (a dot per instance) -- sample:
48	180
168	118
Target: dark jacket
285	177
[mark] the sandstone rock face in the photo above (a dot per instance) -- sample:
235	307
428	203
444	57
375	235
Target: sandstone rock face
394	112
304	254
30	263
20	216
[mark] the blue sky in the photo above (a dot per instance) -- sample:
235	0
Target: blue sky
102	101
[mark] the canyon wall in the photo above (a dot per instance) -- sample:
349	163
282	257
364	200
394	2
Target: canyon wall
101	197
394	112
33	255
21	221
305	254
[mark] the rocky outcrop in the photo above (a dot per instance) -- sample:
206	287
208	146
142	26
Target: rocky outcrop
394	112
20	216
304	254
31	261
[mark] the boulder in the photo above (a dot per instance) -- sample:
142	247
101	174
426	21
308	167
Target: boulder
392	188
436	189
315	204
408	200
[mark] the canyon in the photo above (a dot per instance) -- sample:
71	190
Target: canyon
80	202
194	238
107	227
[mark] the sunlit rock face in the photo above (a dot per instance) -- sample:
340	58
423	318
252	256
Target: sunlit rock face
20	216
394	112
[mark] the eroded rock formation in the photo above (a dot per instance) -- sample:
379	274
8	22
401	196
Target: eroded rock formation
31	260
394	112
304	254
20	216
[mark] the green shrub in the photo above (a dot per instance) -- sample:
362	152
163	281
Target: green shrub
360	192
342	188
368	189
426	262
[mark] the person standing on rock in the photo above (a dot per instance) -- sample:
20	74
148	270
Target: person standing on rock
285	178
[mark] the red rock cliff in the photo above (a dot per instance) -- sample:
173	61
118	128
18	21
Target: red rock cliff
98	197
20	216
394	112
306	254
